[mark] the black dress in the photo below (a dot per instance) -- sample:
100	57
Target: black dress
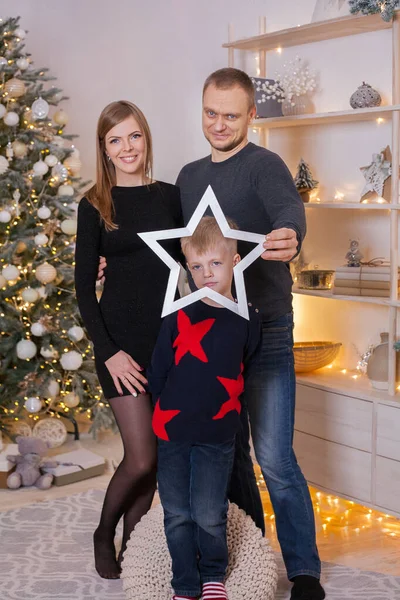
128	316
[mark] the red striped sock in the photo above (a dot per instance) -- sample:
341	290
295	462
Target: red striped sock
214	591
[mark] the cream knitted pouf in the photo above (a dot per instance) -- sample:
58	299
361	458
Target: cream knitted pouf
146	568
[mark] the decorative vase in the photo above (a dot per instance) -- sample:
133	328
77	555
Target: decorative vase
365	96
304	194
298	105
377	367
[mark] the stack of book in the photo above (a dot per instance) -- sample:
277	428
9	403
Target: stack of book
363	281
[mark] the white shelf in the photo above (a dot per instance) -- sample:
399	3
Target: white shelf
312	32
352	205
333	380
329	118
328	294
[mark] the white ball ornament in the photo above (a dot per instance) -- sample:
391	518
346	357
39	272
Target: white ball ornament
45	273
3	61
71	400
60	117
40	168
65	190
3	110
20	149
44	212
5	216
76	333
51	160
37	329
20	33
53	389
22	63
40	109
3	281
71	361
3	164
69	226
11	273
42	292
41	239
29	295
26	349
33	405
15	87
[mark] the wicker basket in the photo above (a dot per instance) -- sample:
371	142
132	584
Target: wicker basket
309	356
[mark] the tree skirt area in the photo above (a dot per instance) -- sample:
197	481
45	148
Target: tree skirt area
46	554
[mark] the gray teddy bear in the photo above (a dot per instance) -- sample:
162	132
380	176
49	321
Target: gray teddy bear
29	462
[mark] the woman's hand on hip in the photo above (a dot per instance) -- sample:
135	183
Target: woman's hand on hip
123	369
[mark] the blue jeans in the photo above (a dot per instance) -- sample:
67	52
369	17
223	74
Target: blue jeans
270	400
193	482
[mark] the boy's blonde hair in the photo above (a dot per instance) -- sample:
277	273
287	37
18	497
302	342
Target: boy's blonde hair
207	236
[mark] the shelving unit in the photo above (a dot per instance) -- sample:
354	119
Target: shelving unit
347	434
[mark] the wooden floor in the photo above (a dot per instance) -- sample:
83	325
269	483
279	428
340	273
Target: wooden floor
347	533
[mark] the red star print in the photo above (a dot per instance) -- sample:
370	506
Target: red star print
160	419
190	336
234	387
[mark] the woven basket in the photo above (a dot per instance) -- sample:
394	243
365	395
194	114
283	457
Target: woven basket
309	356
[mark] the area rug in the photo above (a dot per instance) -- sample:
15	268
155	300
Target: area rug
46	554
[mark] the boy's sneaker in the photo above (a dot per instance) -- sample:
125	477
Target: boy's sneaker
214	591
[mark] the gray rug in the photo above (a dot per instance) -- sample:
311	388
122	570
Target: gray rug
46	554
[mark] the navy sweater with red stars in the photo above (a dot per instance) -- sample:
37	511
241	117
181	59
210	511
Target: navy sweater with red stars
197	372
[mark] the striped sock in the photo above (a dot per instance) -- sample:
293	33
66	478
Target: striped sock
178	597
214	591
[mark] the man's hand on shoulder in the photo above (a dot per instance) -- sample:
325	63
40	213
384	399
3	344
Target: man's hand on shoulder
100	273
281	245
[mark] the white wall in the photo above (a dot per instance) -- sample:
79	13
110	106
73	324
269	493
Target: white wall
158	53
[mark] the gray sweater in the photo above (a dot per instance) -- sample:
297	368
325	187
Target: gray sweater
254	188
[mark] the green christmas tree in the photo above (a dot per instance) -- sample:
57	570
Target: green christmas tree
304	179
46	361
370	7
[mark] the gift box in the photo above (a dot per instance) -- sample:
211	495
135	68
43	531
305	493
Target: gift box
6	467
76	466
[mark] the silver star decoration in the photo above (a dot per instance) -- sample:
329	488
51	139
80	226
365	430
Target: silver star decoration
376	174
152	238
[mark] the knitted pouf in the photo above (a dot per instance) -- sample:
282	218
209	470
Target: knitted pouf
146	568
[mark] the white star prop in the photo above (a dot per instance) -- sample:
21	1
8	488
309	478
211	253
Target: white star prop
376	174
152	238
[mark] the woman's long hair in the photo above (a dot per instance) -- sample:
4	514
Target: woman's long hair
100	193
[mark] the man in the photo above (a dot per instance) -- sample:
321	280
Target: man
255	189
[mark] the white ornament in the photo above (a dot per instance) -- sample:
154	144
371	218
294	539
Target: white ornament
152	239
52	431
44	212
60	117
59	172
65	190
5	216
33	405
41	239
38	329
56	96
3	110
3	281
42	292
45	273
22	63
71	400
58	141
40	109
26	349
29	295
76	333
9	150
40	168
53	389
3	62
20	33
3	164
51	160
71	361
49	352
20	149
11	273
69	226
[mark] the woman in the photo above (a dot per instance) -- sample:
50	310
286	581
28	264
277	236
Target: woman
124	325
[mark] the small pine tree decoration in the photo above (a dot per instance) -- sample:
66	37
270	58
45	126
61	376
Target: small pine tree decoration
46	361
304	181
370	7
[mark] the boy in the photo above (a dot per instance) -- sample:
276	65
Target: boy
196	379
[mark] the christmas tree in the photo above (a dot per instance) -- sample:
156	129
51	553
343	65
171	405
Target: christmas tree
46	361
370	7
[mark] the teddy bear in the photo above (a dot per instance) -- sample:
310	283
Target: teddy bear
29	462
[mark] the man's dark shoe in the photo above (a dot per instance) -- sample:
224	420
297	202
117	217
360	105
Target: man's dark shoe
306	587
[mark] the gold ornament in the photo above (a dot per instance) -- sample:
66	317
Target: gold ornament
21	247
69	226
20	149
73	164
45	273
60	117
71	400
15	88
